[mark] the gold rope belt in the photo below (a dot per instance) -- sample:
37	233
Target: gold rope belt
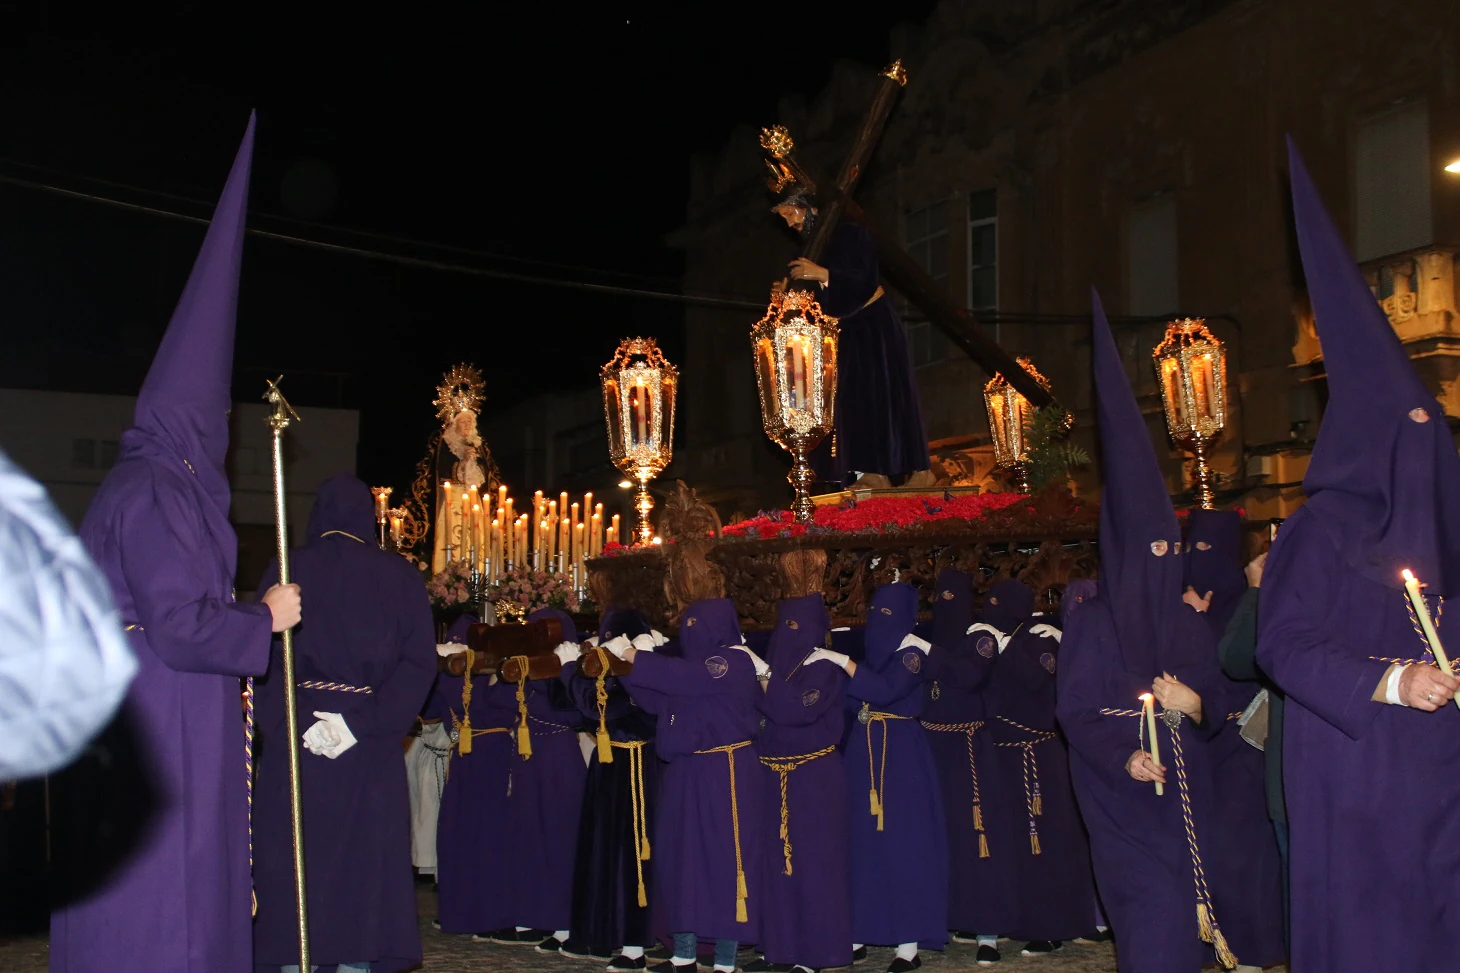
1033	802
524	734
639	798
600	688
784	766
1206	917
337	687
741	892
877	776
968	729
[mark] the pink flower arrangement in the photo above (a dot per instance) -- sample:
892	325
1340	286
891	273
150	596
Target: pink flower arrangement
451	587
532	590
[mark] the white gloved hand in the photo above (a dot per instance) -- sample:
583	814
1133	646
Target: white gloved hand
618	645
591	640
912	641
762	668
645	643
658	637
567	652
999	636
1046	632
827	655
332	736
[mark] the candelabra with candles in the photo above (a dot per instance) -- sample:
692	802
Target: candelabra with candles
795	348
1191	365
396	517
639	390
382	511
1009	414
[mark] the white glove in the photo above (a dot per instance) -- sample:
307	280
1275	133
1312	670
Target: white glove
762	670
445	649
912	641
330	737
1046	632
658	637
618	645
567	652
645	643
999	636
826	655
592	640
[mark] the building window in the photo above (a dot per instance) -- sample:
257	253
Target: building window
1392	182
983	254
83	454
1151	265
926	234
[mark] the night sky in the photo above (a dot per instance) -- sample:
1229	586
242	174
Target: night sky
548	140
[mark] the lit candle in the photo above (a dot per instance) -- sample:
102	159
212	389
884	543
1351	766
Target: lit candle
1412	587
1149	703
472	516
578	544
395	531
463	527
475	497
573	519
587	504
443	529
613	533
539	552
595	532
565	532
502	496
537	513
798	373
495	545
640	402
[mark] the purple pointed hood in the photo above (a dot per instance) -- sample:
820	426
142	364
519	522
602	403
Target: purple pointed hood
952	608
181	420
1213	556
1007	605
570	629
343	503
1140	540
707	627
890	618
801	625
1385	477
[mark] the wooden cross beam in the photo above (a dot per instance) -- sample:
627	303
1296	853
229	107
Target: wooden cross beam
956	322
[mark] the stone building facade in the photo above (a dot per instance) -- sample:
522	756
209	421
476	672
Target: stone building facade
1044	147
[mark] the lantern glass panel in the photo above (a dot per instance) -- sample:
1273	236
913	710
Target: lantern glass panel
614	417
828	378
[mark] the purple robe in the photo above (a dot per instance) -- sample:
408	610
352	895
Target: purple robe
369	627
705	701
955	718
620	806
878	417
1052	888
806	914
179	898
899	873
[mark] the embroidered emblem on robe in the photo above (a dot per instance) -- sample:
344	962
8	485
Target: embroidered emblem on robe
913	661
811	697
717	666
1047	660
986	646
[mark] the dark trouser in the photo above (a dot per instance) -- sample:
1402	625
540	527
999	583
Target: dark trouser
1280	828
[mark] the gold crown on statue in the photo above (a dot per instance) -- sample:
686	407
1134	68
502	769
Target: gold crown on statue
776	139
461	390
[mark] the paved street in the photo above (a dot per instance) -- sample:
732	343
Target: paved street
458	954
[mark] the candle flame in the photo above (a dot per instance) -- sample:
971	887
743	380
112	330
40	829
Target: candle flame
1408	574
1145	697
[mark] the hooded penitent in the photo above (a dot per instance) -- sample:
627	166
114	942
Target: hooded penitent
806	917
368	652
1213	556
1364	784
1146	848
1007	605
158	527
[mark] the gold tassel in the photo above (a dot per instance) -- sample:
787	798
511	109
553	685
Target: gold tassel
644	849
983	846
1225	956
463	742
524	742
740	896
977	817
879	817
524	735
1038	805
1034	844
872	796
605	750
740	914
1204	922
643	897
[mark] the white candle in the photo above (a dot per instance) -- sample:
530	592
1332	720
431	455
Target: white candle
1422	612
1149	702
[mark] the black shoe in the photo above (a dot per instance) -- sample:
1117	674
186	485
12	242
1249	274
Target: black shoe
622	964
900	965
959	936
551	944
1042	947
859	955
436	924
576	950
669	966
988	955
659	953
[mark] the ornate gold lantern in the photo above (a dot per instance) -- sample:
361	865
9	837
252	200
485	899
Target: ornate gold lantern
795	347
382	511
639	387
1009	414
1191	365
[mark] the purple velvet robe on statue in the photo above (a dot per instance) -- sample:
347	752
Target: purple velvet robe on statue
806	913
879	418
900	873
1371	788
369	626
606	910
158	528
959	668
707	699
1114	646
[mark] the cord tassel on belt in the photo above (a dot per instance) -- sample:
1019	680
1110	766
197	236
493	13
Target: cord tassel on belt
605	748
524	736
742	893
878	774
639	799
968	730
463	739
783	766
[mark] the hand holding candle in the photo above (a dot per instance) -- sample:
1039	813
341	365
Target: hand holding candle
1135	766
1412	588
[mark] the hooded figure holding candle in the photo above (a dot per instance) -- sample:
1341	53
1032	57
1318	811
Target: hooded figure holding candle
613	876
1371	737
364	664
1137	638
178	899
